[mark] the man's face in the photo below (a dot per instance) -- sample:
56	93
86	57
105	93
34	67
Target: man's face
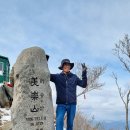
66	67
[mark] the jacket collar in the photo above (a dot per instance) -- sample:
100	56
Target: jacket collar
68	74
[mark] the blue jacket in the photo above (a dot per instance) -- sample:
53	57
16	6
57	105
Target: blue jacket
66	86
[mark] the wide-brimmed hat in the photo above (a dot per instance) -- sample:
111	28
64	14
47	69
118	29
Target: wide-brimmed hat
66	61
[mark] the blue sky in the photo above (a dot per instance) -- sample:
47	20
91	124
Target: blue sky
81	30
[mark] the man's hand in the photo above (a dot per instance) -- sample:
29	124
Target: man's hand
84	67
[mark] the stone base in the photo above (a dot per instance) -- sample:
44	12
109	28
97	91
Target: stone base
6	126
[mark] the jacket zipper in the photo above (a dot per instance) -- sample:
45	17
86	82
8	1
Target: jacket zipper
66	91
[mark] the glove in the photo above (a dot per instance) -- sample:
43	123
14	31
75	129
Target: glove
84	68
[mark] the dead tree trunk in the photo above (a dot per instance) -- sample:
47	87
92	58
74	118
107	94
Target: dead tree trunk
127	111
126	103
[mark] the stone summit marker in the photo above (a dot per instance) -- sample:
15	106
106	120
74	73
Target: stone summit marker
32	107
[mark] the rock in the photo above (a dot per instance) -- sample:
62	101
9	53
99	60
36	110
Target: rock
5	96
32	107
5	119
6	126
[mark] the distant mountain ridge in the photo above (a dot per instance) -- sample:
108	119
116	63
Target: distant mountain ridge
116	125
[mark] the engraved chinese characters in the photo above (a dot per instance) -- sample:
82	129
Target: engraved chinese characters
32	107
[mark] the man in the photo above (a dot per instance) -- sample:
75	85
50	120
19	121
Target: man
66	83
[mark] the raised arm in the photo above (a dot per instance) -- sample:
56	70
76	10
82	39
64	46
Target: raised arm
83	82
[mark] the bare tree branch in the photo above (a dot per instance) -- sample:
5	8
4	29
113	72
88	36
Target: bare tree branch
122	51
119	89
93	75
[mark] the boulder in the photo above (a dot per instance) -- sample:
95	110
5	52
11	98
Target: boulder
32	107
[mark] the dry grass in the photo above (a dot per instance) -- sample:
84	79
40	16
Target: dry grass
81	122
